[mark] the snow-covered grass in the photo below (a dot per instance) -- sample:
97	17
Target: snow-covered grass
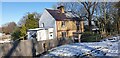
81	49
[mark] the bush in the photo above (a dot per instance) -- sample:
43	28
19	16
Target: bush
90	37
16	34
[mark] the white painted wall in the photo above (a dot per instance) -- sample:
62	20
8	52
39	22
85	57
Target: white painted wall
0	34
50	33
48	21
28	35
42	35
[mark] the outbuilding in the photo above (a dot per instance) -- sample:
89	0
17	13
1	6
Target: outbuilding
40	34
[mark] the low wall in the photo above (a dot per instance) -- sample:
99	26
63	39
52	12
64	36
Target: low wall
40	48
29	47
18	48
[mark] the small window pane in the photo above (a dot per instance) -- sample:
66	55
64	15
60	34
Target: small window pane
63	23
63	34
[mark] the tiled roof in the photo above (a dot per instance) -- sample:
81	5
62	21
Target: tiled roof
63	16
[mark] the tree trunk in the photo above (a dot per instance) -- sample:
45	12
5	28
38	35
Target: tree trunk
117	27
89	23
118	21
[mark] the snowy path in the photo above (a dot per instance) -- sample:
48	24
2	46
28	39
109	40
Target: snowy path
82	49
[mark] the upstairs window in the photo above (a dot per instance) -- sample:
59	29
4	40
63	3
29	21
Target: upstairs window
63	24
78	23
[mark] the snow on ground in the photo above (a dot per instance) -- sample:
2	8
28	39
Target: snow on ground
91	48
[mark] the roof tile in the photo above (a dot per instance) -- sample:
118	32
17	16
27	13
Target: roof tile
63	16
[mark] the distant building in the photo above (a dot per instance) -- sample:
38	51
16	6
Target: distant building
0	33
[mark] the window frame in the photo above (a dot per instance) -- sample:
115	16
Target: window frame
63	24
64	34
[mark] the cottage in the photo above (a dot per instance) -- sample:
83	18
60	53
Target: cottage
65	24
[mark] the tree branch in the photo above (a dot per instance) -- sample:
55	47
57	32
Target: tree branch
85	6
94	5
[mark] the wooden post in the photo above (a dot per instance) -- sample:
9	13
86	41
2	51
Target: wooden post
79	38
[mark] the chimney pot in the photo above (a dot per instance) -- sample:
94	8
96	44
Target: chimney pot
61	8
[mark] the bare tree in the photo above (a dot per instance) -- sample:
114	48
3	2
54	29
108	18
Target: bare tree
9	27
89	8
70	6
84	9
117	5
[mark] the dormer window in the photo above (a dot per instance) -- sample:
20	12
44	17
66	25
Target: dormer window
63	24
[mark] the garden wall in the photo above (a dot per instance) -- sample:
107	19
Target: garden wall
29	47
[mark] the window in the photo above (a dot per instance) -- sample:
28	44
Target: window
77	28
51	34
78	25
63	24
42	24
63	34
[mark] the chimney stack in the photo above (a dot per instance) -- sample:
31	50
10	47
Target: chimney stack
61	8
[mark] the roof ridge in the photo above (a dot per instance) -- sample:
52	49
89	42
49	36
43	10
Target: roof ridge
51	9
55	13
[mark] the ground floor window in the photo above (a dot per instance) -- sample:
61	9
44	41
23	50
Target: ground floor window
64	34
